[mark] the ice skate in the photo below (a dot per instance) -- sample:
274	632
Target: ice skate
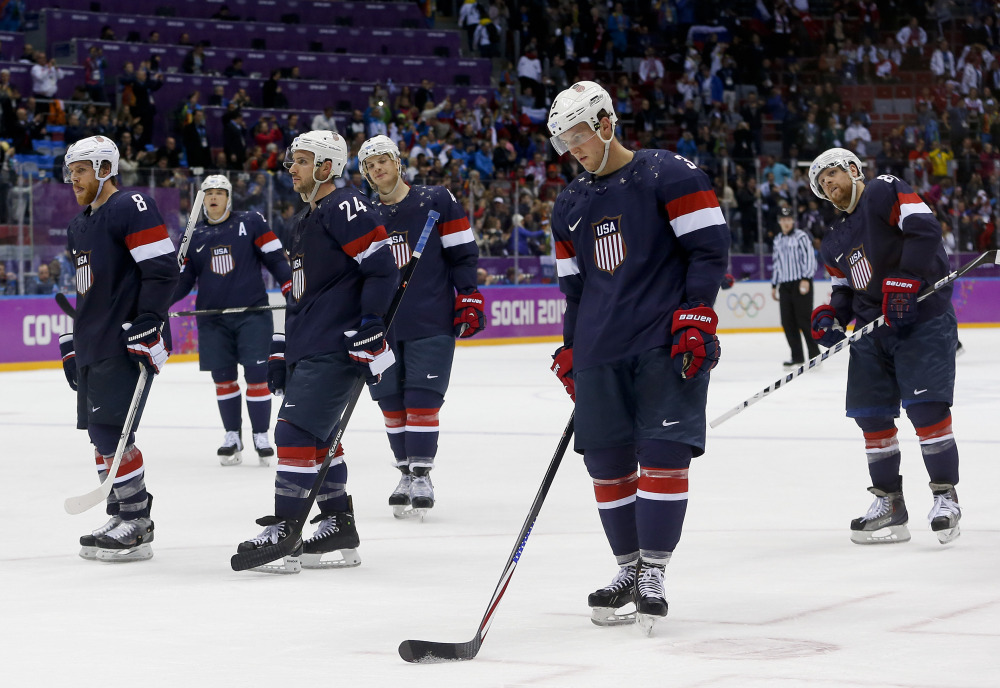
606	604
275	530
231	451
127	541
88	543
945	513
421	495
651	601
263	446
336	535
399	500
885	522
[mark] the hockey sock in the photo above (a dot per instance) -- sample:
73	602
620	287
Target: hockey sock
932	422
422	409
615	480
661	495
394	413
227	395
258	397
130	485
882	449
297	469
102	473
332	497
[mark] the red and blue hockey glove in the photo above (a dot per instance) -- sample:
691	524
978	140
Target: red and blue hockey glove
368	348
276	365
286	287
562	366
696	349
826	329
899	301
68	353
728	281
144	343
469	315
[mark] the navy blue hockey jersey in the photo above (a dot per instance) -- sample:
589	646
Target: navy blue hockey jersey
631	247
225	260
126	265
448	262
342	269
891	233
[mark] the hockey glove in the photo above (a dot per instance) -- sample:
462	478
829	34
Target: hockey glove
368	348
68	353
285	288
562	366
728	281
276	365
144	343
826	329
469	316
899	301
696	349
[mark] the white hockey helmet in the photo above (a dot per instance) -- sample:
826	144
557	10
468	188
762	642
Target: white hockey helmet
219	181
96	149
324	145
839	157
379	145
584	101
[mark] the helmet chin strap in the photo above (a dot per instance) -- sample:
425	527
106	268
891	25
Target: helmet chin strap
316	184
100	186
607	151
225	216
854	198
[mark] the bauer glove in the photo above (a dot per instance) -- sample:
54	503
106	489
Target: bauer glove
276	365
696	349
899	301
66	350
562	366
826	329
368	348
144	343
469	316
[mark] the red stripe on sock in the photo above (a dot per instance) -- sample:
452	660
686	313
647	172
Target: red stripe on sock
321	453
228	387
131	461
615	489
663	480
258	390
300	457
423	417
394	419
937	430
881	439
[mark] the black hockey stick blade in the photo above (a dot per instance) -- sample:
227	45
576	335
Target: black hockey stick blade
65	305
251	559
426	652
227	311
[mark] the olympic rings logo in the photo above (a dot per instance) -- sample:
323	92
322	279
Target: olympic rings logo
745	305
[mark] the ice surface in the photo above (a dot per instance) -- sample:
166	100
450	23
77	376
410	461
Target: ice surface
765	589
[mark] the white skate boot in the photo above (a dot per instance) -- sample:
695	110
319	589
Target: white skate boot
231	451
264	449
945	514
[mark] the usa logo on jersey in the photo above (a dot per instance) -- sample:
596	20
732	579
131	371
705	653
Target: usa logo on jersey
609	244
84	275
222	260
861	269
400	249
298	276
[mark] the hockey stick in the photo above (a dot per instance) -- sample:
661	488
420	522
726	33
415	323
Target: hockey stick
185	244
265	555
65	305
228	311
77	505
986	258
425	651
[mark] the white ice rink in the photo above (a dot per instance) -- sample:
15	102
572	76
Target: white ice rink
765	589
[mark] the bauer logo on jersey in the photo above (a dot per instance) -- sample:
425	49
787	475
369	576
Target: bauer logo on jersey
609	245
298	276
84	275
400	249
861	269
222	260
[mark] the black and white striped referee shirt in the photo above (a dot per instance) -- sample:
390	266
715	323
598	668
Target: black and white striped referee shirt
794	258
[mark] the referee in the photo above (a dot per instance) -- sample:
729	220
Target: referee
792	285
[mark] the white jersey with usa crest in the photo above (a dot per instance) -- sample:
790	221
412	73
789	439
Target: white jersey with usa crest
633	246
447	264
342	269
126	265
225	261
891	233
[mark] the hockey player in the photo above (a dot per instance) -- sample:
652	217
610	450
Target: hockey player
224	260
641	249
880	255
343	279
126	270
423	333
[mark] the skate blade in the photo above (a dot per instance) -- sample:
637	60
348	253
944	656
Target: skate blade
264	461
349	558
646	623
944	536
405	511
288	565
883	536
234	460
609	616
88	553
139	553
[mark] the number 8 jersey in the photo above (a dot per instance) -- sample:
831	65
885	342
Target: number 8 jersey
126	264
